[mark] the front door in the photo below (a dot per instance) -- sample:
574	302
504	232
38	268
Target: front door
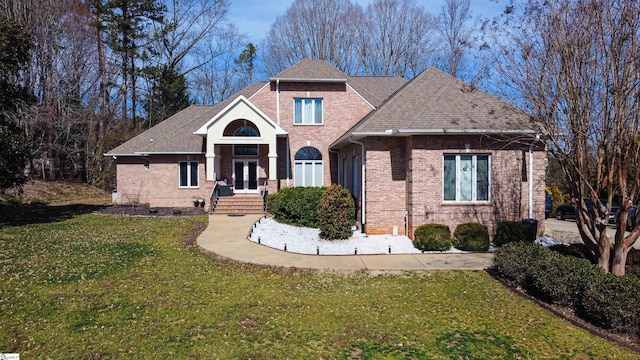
246	176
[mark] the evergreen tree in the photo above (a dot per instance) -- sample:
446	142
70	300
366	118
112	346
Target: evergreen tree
168	94
15	150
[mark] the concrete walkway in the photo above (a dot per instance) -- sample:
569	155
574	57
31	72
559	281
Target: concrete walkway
227	237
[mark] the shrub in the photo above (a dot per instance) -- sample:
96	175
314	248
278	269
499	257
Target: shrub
514	261
432	237
603	299
298	206
633	263
560	279
471	237
509	231
336	213
271	202
576	250
612	302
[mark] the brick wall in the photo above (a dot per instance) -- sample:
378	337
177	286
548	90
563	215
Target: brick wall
386	193
158	185
397	182
342	108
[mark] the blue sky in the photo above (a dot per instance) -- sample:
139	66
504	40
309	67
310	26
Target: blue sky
254	17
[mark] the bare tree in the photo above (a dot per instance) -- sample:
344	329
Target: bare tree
62	77
396	37
187	26
316	29
455	32
215	80
575	66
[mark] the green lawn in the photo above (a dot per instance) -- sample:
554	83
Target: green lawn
108	287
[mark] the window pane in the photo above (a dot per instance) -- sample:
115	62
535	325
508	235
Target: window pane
482	178
308	111
297	111
318	173
318	118
297	174
466	178
183	173
194	173
450	177
308	174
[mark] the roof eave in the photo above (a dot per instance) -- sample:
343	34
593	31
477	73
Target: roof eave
357	135
443	131
145	153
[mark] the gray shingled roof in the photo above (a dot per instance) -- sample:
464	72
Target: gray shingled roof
175	134
436	102
311	70
376	89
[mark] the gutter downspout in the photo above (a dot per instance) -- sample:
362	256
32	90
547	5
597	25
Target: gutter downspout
362	186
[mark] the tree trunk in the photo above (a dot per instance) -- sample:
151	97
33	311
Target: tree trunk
619	260
605	255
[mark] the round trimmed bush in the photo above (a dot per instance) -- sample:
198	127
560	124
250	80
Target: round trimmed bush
336	213
509	231
432	237
471	237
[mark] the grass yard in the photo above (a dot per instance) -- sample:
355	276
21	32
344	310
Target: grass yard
99	287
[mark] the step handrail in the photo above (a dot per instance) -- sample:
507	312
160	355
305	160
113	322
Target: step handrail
264	194
213	198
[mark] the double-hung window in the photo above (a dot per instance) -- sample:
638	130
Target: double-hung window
188	173
467	177
307	111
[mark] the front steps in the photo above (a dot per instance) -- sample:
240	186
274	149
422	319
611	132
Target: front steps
239	204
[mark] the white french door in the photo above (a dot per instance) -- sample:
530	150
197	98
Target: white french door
245	173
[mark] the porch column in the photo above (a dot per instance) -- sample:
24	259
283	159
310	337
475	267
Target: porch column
211	166
273	163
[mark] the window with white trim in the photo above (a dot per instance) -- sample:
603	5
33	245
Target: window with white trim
188	173
467	177
307	111
308	167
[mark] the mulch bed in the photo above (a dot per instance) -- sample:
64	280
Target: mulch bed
145	210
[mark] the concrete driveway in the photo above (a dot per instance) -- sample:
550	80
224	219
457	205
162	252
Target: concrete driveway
567	231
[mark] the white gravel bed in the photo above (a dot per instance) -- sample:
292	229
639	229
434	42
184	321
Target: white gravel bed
303	240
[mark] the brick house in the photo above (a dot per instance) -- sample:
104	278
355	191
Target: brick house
432	150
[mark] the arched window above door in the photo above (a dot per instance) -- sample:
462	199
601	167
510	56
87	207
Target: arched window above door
249	149
246	131
308	167
308	153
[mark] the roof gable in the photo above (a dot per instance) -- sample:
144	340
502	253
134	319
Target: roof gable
308	70
241	108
